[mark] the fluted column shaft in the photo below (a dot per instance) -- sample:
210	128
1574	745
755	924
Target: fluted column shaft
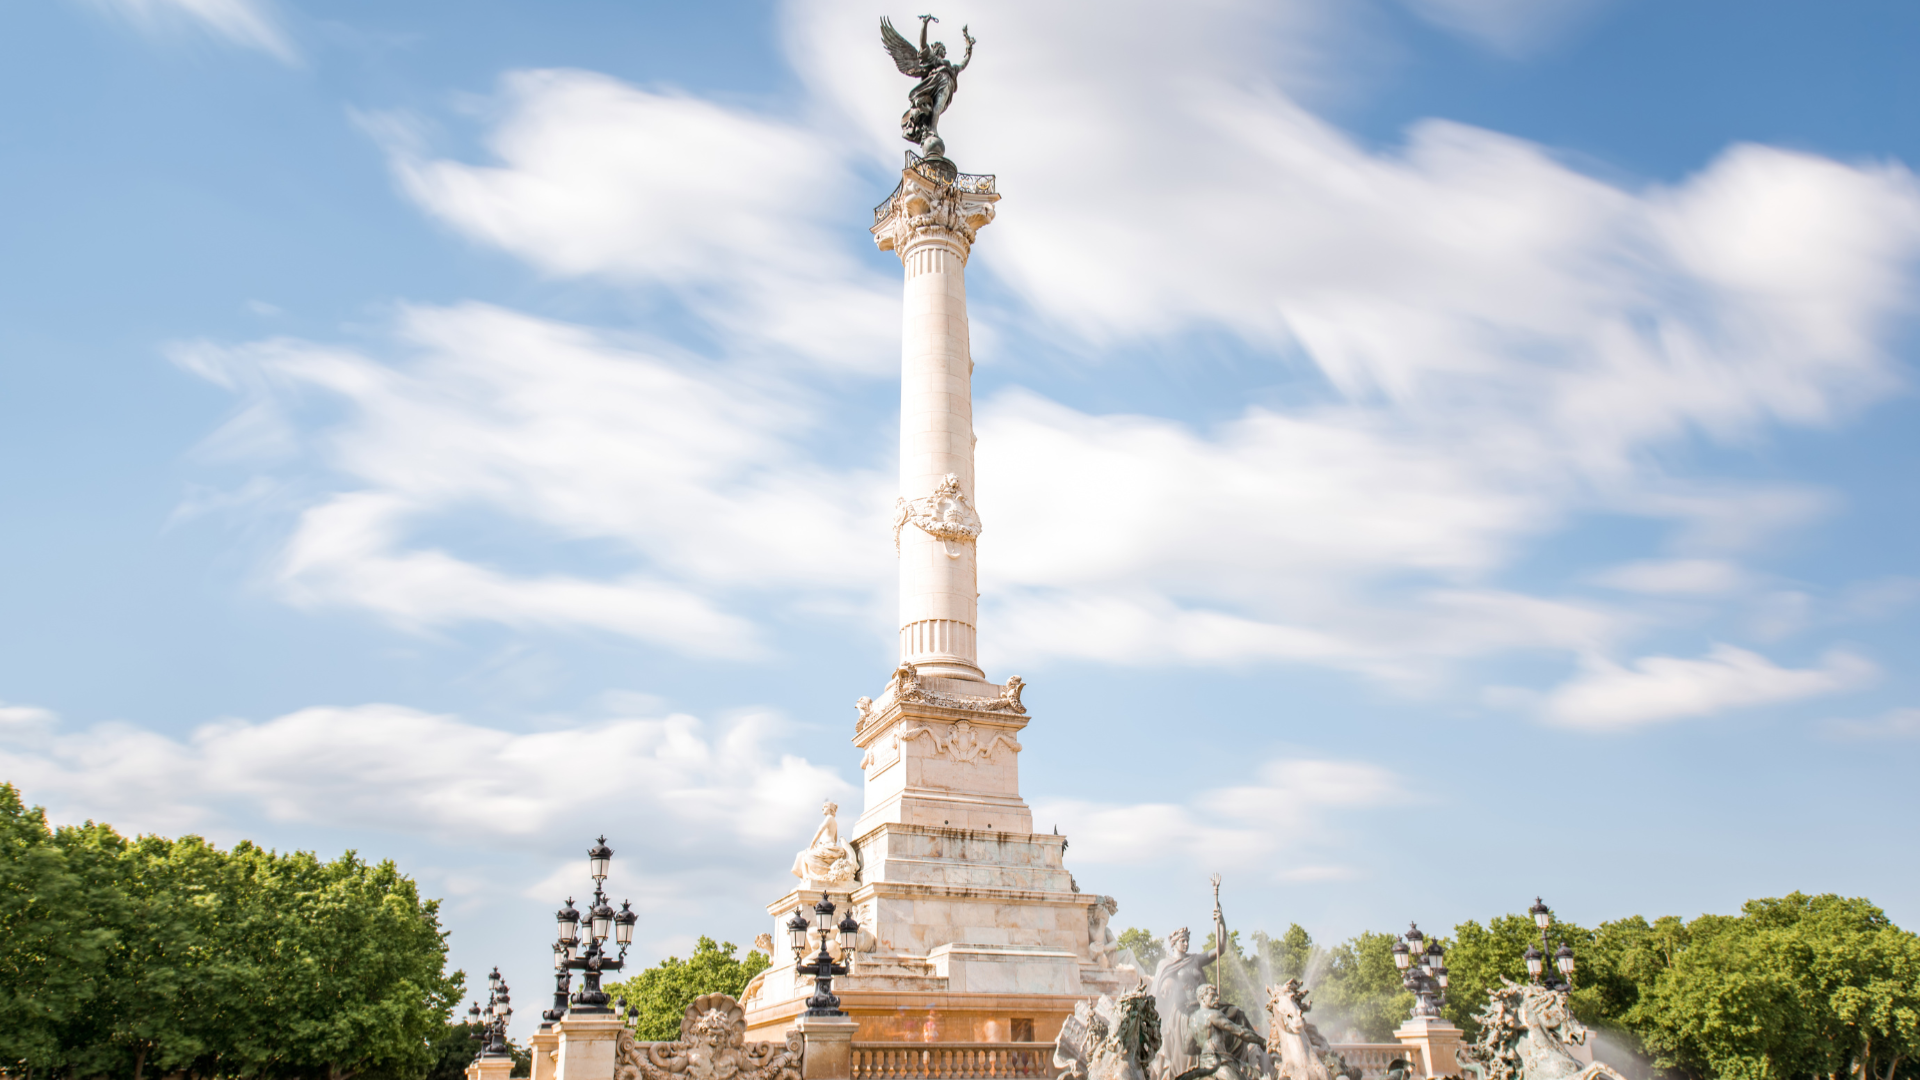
931	225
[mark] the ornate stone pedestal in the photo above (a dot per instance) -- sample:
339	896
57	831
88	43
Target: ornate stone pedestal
586	1046
1431	1043
490	1068
541	1045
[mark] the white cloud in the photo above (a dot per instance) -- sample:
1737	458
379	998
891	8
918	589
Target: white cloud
1283	819
17	718
396	769
733	212
246	23
693	473
1609	696
1890	725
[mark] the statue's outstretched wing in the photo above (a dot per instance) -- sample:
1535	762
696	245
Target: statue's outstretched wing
905	56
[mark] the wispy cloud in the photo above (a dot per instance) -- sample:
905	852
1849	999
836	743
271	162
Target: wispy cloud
1286	817
694	473
1676	577
1510	27
396	769
246	23
1606	695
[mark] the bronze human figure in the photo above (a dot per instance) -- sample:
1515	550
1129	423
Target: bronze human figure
1220	1039
939	80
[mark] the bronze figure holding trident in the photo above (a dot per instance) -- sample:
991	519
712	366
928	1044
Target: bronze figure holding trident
1176	988
939	81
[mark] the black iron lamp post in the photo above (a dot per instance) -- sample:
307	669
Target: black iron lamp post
1423	970
562	982
1536	958
822	967
493	1019
578	952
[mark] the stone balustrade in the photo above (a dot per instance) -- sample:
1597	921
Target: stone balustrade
1372	1059
952	1061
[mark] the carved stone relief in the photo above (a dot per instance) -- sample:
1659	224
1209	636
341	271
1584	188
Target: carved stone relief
712	1046
959	741
946	515
906	687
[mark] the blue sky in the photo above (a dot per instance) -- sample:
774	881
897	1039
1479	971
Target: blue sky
1432	453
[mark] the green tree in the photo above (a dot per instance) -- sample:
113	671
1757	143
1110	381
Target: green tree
661	993
1361	991
1286	956
1478	957
1800	985
1147	950
451	1048
49	957
135	958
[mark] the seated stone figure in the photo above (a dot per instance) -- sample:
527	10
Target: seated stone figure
827	862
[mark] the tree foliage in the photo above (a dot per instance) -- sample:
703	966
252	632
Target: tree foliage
150	956
660	994
1147	950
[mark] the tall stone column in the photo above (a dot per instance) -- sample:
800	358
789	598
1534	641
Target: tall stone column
930	222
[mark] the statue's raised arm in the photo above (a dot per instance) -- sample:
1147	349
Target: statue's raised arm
939	81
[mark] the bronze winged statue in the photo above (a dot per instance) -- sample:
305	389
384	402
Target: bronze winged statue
939	80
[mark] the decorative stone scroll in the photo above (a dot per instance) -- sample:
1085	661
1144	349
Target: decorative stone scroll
907	688
712	1046
961	742
946	515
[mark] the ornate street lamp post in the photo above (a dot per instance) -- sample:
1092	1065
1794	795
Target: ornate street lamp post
1562	959
562	982
1422	970
577	952
822	967
493	1019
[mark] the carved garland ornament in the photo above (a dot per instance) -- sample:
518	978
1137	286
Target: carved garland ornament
712	1046
946	514
961	742
906	687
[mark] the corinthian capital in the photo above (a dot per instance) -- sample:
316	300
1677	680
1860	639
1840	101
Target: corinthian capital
929	204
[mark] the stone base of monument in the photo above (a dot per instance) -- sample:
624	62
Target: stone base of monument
1432	1043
